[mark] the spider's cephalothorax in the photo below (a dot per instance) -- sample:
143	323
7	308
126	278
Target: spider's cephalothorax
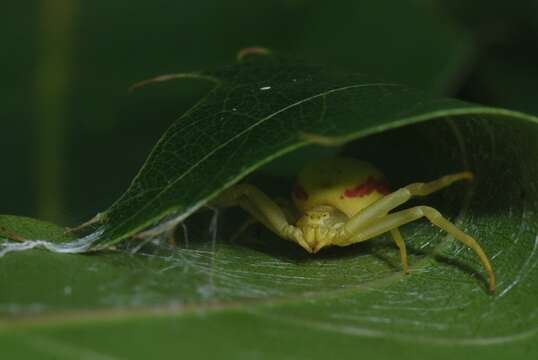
320	226
328	193
344	201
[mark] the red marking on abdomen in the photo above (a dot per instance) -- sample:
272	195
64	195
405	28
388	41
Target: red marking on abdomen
367	188
299	192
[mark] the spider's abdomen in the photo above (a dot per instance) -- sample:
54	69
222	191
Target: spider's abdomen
347	184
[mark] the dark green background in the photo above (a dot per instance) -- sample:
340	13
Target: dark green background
72	137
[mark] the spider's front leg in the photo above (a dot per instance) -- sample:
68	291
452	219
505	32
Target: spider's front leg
389	202
263	209
375	220
397	237
394	220
382	207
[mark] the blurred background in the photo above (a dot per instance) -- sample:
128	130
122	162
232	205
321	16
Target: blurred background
72	136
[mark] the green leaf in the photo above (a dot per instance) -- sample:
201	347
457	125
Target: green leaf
259	296
257	111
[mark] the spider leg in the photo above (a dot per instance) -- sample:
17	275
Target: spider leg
249	222
257	214
263	209
397	237
387	203
394	220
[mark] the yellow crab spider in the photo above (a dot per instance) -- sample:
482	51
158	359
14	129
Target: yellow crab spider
343	201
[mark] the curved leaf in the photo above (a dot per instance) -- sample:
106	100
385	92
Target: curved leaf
260	110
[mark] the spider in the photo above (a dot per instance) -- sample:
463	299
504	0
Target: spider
343	201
